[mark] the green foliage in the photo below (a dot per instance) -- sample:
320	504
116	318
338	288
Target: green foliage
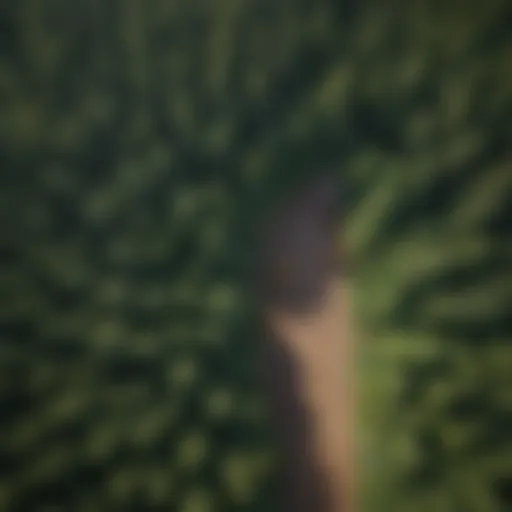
140	144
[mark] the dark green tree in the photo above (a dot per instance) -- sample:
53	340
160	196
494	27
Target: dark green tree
140	142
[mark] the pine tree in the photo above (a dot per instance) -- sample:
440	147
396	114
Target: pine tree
139	142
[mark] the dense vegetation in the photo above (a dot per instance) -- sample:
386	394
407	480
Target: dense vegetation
140	140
